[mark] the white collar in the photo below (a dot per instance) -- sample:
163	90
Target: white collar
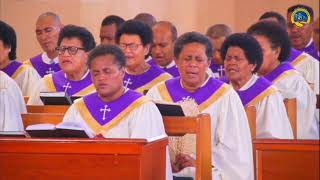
310	42
170	65
85	75
148	58
249	83
203	84
47	60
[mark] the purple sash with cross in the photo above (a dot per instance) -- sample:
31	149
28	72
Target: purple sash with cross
172	70
105	112
63	84
135	81
42	67
278	71
256	89
178	93
12	67
217	69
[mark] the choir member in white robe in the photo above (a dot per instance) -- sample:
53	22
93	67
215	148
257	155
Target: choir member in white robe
275	43
135	38
48	27
11	104
25	76
304	63
74	79
243	57
115	111
231	139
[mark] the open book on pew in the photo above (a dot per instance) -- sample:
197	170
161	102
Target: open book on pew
57	98
13	134
185	108
64	129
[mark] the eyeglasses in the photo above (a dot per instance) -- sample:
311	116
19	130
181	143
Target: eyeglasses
131	46
71	50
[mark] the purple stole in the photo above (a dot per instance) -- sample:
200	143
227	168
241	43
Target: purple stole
42	67
146	80
283	70
217	69
259	90
173	71
312	50
293	58
57	82
13	69
102	116
172	91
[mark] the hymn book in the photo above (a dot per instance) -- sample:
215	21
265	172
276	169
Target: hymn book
57	98
64	129
12	134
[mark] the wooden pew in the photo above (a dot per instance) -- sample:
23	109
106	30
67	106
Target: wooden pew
286	159
41	118
51	159
291	107
47	109
26	98
251	114
201	126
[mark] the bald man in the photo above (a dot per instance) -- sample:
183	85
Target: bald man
146	18
164	36
47	31
217	34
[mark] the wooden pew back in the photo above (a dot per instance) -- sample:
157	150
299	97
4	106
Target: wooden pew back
291	106
201	126
41	118
251	114
286	159
47	109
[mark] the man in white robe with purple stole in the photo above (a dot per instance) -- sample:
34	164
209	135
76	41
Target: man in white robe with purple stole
231	139
74	79
275	42
115	111
304	63
135	38
243	57
48	27
25	76
11	104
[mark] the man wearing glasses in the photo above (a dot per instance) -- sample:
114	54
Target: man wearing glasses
48	27
135	38
74	45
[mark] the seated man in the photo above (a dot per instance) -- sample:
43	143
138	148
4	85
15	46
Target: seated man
165	34
109	27
11	104
307	65
135	38
231	139
48	27
74	79
114	111
217	34
24	75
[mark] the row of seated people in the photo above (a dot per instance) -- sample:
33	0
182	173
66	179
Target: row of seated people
114	110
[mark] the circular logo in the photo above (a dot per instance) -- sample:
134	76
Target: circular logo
300	17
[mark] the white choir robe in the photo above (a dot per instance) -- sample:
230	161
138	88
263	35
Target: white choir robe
11	104
143	122
232	156
308	66
295	86
271	115
26	80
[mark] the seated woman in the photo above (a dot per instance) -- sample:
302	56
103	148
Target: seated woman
11	104
243	57
24	75
276	47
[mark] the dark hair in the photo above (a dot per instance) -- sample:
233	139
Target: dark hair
219	30
112	19
146	18
102	50
248	44
8	38
308	8
134	27
85	36
277	36
271	14
192	37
